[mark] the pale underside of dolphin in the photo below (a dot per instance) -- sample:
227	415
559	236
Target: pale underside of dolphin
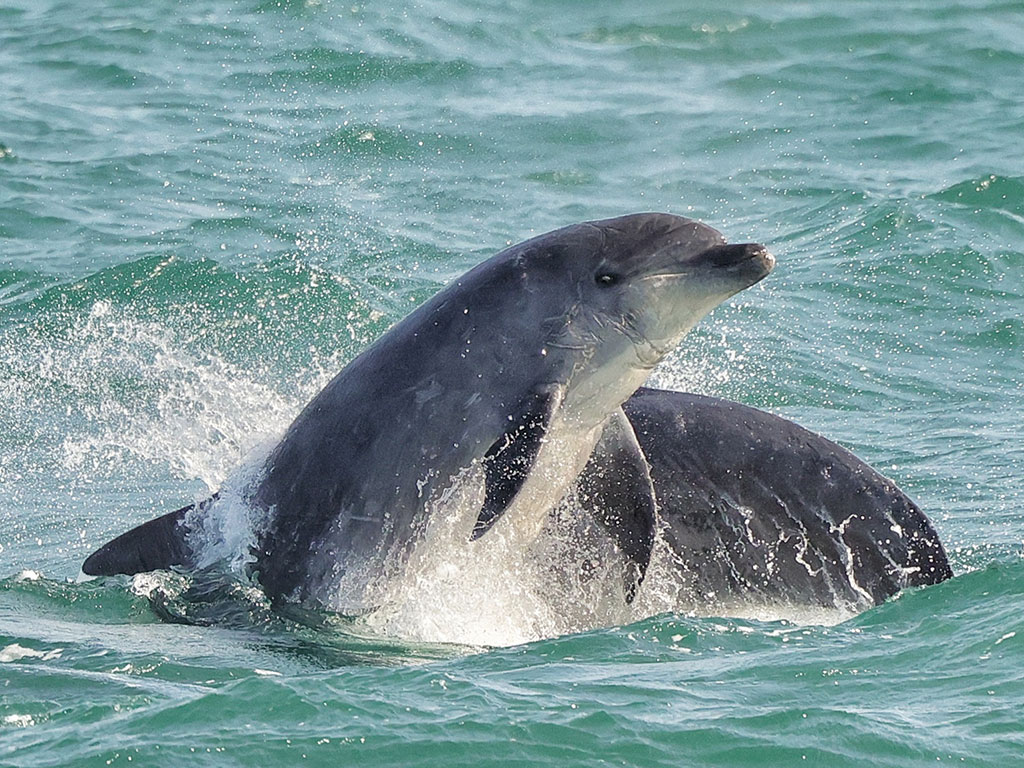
500	390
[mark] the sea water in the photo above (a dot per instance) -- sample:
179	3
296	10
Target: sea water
207	208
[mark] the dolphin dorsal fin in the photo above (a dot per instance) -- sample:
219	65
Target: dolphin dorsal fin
616	487
511	457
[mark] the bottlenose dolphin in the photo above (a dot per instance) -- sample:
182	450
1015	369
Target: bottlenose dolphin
754	508
495	390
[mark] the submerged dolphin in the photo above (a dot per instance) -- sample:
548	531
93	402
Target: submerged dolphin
756	509
497	390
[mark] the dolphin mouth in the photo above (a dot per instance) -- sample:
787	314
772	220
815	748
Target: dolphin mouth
753	260
760	260
739	254
749	262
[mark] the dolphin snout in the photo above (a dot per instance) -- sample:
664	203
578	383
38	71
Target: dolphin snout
730	254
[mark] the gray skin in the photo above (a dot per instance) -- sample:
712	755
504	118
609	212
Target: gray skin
754	508
496	389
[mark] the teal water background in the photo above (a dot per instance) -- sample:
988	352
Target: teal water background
206	208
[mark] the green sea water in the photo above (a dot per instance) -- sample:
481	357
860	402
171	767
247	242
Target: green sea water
207	208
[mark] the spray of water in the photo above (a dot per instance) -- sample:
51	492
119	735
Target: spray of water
185	407
513	585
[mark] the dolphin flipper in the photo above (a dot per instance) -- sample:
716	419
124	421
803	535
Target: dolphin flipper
154	545
509	460
616	488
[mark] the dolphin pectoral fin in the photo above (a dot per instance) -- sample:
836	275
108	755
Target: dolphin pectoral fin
509	460
616	487
154	545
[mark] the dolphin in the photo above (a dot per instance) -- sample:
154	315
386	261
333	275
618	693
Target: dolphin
492	395
753	508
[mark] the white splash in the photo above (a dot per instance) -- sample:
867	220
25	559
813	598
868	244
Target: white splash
498	591
19	721
15	652
226	532
192	409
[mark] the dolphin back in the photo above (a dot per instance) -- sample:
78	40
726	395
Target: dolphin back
755	506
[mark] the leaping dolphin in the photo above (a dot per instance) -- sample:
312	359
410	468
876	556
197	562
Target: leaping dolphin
497	389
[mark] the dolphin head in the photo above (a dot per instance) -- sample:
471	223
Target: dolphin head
635	285
657	275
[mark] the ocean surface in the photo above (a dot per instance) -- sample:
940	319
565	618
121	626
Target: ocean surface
207	208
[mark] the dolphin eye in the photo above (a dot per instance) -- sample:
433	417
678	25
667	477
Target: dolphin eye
606	279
